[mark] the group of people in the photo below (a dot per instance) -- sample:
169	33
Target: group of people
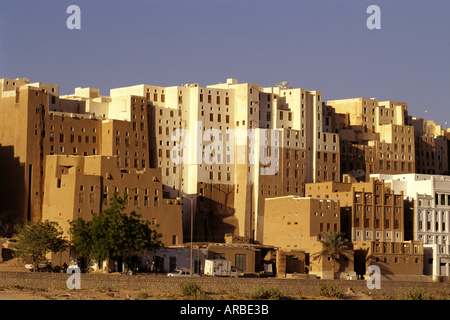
149	267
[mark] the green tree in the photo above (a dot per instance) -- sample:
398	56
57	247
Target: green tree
35	240
112	233
334	245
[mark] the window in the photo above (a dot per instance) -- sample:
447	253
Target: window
219	256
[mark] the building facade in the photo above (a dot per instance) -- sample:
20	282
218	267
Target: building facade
370	211
431	197
80	186
73	152
239	144
393	258
376	137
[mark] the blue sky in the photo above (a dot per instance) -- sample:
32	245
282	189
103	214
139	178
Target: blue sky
314	44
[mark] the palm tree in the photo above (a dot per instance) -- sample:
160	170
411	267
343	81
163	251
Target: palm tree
334	245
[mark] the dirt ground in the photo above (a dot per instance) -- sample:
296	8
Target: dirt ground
20	293
13	265
17	293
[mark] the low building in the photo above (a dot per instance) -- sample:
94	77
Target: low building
370	211
169	259
296	224
393	258
247	259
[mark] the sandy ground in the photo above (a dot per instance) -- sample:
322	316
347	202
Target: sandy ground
14	293
13	265
19	293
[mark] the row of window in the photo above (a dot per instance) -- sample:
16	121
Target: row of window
388	234
404	167
335	227
87	139
387	224
217	100
378	209
219	117
134	200
439	227
74	150
127	143
324	156
127	162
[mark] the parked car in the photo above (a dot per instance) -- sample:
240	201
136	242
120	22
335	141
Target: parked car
181	273
45	266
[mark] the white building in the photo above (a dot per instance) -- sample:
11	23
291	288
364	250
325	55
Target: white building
431	195
169	259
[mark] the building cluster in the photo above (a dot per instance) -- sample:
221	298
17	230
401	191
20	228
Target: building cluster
248	165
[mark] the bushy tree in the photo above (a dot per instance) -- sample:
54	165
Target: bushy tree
35	240
112	233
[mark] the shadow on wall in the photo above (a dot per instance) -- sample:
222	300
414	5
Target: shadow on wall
12	191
